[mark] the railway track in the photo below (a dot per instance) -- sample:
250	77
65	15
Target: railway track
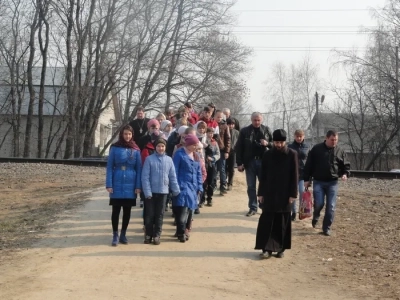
97	162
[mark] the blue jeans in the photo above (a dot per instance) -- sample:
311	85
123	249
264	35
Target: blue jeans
322	189
301	191
253	171
221	165
181	218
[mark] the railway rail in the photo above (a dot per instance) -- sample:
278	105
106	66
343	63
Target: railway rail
98	162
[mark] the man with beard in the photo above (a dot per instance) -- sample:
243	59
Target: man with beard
277	190
139	125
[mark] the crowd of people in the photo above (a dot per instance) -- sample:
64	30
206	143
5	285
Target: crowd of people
182	159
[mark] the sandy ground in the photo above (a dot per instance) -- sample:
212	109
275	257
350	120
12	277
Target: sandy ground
74	260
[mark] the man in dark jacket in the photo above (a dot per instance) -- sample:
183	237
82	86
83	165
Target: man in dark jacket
224	144
277	190
302	150
253	141
326	163
227	113
139	125
230	162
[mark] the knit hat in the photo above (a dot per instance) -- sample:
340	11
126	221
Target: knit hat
182	129
160	141
191	139
279	135
153	122
164	124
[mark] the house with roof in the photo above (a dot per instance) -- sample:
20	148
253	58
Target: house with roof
361	136
14	101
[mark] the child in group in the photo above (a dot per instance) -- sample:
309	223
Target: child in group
166	128
212	155
188	130
158	178
188	173
199	156
123	181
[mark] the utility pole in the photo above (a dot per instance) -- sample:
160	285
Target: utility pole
317	114
396	103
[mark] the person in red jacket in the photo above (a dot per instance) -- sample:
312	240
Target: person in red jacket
207	112
193	118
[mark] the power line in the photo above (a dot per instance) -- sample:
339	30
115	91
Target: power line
274	112
305	26
308	10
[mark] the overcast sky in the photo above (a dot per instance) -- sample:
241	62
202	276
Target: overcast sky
293	15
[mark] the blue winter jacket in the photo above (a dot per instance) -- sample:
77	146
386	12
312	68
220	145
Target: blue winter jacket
158	175
124	171
188	173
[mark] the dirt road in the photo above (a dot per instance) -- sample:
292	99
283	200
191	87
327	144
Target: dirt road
74	260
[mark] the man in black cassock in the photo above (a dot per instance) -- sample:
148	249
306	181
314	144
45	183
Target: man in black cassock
277	190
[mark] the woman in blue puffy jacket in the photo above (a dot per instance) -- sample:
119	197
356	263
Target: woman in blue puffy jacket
188	173
123	181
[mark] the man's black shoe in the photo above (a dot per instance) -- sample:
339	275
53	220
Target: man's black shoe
314	223
327	232
251	213
280	255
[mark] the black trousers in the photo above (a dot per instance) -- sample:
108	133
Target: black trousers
154	214
230	167
126	216
209	183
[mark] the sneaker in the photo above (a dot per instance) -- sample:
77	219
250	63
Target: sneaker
326	232
201	204
141	203
280	255
147	239
182	238
230	187
251	213
265	255
223	191
156	240
197	211
293	216
314	223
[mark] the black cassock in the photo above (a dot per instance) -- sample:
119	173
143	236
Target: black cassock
278	182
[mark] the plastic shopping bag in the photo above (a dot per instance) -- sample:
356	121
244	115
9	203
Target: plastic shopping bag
306	205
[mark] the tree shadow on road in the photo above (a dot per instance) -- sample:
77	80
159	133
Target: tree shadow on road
253	255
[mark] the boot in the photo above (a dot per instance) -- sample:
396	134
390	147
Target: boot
115	239
122	238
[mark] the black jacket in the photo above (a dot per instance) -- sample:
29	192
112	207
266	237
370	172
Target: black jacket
279	179
247	146
139	125
326	164
302	150
172	141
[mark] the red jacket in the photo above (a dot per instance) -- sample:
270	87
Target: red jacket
210	122
147	150
193	118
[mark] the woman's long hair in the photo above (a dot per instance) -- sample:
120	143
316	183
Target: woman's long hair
121	141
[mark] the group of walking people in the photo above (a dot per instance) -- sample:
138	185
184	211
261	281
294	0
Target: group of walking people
171	159
176	158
